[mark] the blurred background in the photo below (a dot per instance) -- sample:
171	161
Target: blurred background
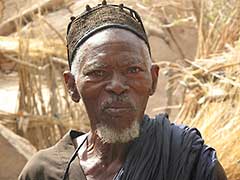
195	42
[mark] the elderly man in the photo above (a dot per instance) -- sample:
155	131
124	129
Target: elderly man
112	72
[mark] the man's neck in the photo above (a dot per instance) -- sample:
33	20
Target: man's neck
105	152
100	160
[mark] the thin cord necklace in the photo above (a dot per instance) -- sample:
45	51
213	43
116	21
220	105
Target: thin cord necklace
74	155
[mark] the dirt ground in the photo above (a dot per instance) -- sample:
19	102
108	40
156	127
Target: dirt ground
13	161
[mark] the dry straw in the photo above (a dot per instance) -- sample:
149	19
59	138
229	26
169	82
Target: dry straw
45	112
211	83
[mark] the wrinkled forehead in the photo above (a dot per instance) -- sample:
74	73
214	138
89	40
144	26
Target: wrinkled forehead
111	38
114	42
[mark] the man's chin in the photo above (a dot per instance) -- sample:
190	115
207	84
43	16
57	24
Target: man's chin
112	135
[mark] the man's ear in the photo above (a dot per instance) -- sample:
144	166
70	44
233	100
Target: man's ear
71	86
154	73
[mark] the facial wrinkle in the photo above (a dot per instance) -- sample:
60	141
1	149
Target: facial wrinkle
93	65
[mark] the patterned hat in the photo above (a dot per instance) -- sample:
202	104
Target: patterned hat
101	17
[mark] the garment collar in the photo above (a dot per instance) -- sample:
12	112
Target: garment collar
65	147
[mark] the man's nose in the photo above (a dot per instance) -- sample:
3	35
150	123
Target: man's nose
117	85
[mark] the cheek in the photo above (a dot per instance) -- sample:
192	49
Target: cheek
141	89
142	85
88	88
91	93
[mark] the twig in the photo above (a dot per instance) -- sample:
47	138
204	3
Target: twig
54	29
167	107
214	74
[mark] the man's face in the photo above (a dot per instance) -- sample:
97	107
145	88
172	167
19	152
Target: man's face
114	79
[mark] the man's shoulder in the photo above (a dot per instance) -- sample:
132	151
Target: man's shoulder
45	155
190	146
50	163
39	163
178	133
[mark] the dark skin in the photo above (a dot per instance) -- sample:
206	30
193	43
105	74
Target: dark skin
115	80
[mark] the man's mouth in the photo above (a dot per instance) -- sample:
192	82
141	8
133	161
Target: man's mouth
117	110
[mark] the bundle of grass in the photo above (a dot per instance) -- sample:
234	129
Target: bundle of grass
45	112
211	83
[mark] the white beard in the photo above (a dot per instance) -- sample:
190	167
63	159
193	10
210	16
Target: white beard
110	135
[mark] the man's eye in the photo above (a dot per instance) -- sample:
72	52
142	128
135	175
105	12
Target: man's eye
96	73
134	70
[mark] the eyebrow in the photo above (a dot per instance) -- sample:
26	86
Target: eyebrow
94	64
132	60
